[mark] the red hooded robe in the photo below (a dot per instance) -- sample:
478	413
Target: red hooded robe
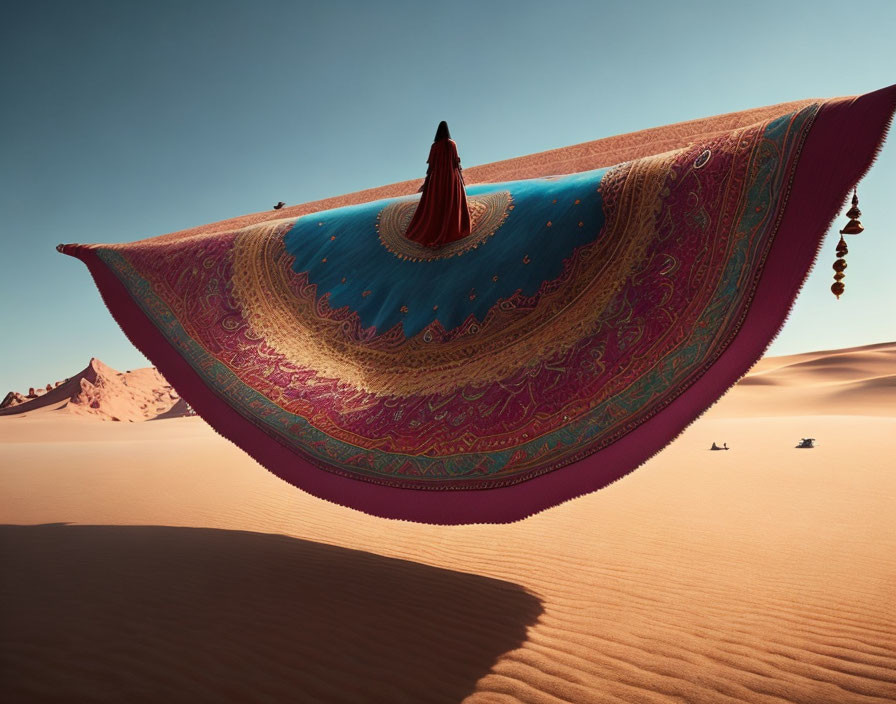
442	215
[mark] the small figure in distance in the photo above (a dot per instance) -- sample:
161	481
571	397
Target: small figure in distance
716	447
279	205
807	443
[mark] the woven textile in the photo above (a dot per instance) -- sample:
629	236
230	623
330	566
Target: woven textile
585	321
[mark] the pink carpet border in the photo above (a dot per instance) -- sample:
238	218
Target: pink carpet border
839	149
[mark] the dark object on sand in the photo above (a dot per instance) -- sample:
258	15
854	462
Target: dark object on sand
807	443
279	205
723	447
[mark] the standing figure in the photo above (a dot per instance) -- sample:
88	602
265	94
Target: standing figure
442	215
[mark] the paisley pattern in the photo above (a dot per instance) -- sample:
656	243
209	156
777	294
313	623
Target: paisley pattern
580	308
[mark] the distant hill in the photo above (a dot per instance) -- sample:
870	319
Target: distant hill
849	381
104	393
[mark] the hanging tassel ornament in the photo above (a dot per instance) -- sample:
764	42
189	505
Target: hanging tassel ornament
853	227
839	265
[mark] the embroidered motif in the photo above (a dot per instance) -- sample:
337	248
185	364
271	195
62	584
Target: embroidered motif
487	213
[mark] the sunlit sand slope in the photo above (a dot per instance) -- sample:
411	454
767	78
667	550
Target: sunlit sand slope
182	571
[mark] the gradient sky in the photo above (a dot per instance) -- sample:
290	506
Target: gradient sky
125	119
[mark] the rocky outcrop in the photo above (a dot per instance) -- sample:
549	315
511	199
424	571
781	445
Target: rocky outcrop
104	393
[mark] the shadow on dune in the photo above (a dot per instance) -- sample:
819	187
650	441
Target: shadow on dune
150	613
758	380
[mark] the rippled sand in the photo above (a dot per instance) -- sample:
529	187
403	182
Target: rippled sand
156	562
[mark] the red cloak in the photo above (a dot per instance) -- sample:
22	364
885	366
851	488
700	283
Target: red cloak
442	215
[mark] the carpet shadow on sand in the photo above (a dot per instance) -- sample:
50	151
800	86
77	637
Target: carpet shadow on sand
151	613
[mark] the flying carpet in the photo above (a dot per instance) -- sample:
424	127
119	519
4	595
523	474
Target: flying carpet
583	324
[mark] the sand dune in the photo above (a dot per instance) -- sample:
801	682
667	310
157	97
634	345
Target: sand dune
877	354
103	393
853	381
156	562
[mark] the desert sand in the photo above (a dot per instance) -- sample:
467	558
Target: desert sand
155	562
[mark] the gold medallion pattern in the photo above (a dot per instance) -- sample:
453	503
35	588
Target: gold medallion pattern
487	213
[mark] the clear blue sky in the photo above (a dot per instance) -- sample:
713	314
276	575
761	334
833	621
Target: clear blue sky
125	119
